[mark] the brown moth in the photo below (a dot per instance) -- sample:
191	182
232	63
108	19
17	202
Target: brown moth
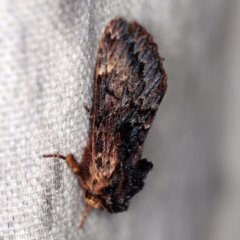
130	83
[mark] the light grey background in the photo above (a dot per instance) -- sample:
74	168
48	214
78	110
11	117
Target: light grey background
47	60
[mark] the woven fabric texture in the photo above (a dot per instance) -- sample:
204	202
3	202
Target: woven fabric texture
47	61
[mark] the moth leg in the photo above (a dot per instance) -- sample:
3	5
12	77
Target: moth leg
85	213
71	161
88	110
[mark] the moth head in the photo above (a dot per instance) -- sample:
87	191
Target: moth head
116	203
92	200
110	203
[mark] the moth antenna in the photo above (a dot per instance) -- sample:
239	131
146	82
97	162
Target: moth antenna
85	213
54	155
88	110
71	161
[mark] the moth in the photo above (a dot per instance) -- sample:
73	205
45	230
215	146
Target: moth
130	82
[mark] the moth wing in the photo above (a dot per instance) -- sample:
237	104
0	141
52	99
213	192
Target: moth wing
130	84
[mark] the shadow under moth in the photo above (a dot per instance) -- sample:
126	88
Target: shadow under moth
130	83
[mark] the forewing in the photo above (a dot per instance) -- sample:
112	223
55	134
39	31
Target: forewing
129	86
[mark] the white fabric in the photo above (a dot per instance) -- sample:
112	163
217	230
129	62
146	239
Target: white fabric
47	61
